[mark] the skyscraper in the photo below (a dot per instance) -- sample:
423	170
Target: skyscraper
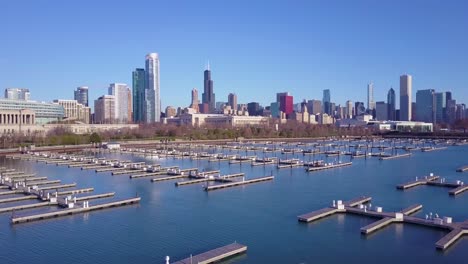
425	105
381	111
327	101
405	97
152	110
104	109
349	109
314	106
391	102
120	92
138	80
286	104
359	109
370	96
232	101
81	95
195	102
208	95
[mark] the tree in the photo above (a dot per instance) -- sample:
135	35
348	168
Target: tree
95	138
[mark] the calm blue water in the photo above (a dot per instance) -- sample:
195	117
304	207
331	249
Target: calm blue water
178	221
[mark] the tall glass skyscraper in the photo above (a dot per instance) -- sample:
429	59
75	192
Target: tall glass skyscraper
81	95
405	97
327	102
370	96
391	101
208	93
152	106
138	91
425	105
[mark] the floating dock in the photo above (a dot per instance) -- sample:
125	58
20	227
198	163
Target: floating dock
59	213
215	255
222	178
237	183
326	167
456	229
417	182
395	156
463	169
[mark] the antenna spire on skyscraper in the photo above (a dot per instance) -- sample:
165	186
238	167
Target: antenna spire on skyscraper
208	65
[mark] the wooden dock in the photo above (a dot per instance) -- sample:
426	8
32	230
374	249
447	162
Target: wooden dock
463	169
237	183
458	190
215	255
311	169
59	213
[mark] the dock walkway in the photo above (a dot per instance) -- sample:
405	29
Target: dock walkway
215	255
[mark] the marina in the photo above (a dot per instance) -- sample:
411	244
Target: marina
198	169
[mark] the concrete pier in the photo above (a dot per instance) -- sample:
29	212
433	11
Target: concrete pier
59	213
237	183
215	255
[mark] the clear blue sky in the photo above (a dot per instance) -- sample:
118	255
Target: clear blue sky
256	48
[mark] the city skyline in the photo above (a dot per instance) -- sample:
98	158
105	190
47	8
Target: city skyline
307	74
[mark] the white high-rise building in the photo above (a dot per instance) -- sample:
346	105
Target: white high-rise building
370	96
405	97
152	107
121	105
349	109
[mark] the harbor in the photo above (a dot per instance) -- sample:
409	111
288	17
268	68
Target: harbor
239	178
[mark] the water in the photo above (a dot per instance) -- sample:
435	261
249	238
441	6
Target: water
178	221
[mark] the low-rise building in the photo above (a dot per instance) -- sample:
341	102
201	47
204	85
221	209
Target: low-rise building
44	112
198	120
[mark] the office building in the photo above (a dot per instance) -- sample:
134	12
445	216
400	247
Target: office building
426	106
232	101
253	108
44	112
171	111
104	110
152	106
208	93
405	97
138	92
194	102
349	111
74	111
120	91
370	97
286	104
381	111
17	94
327	102
81	95
391	102
359	109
